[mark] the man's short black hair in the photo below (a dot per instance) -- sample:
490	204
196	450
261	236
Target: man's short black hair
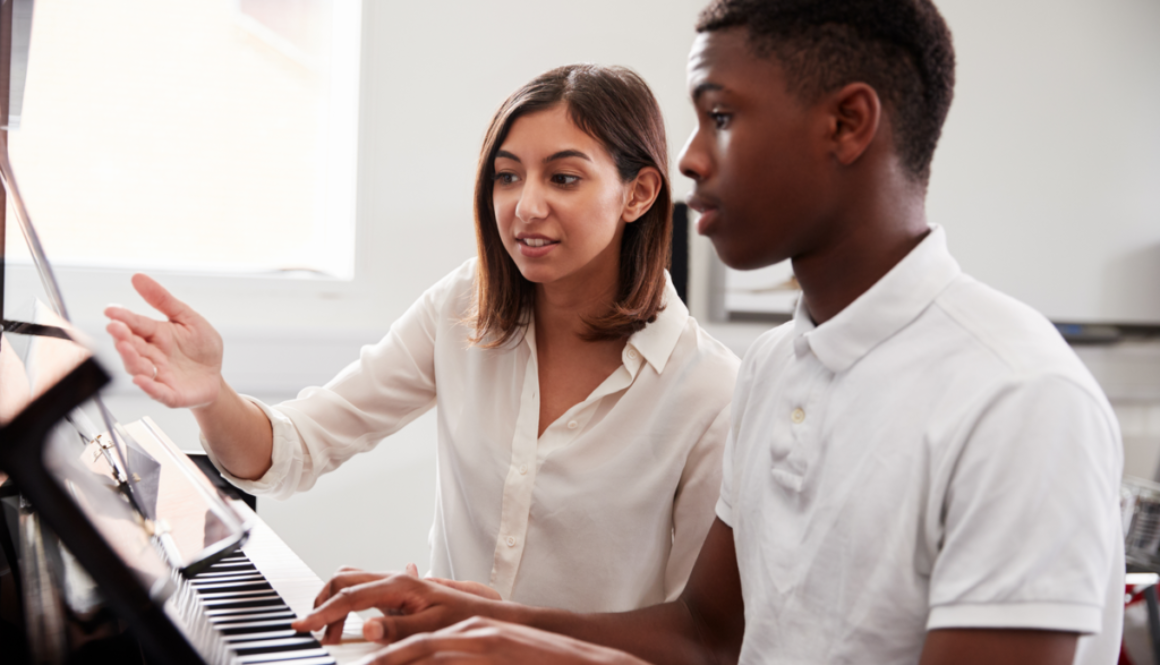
901	48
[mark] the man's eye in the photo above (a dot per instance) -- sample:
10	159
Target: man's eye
720	120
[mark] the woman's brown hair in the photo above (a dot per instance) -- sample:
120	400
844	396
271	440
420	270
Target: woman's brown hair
615	106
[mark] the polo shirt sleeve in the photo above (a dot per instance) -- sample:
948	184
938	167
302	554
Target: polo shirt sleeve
1030	513
725	499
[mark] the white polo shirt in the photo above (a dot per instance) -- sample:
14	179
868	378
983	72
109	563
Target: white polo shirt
606	511
934	456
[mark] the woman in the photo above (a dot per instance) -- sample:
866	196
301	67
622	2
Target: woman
581	411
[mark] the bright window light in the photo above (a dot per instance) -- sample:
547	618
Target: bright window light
192	135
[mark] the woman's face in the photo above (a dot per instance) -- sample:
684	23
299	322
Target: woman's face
559	202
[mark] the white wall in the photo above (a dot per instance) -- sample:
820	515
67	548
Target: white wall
433	73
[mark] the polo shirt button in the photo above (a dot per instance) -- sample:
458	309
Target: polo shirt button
572	424
798	416
523	469
511	541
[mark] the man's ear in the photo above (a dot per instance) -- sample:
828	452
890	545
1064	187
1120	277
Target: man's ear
855	113
642	191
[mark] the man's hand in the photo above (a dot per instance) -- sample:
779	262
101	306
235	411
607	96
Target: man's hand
410	605
478	641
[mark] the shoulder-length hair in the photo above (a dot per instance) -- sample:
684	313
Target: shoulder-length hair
615	106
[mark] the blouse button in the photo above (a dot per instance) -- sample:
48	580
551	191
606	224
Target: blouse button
511	541
523	469
632	354
798	416
572	424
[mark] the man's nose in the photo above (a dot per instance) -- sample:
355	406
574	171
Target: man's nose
694	160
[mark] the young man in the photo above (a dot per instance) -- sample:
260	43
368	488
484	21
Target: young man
919	469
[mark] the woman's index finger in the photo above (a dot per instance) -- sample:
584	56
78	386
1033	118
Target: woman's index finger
159	298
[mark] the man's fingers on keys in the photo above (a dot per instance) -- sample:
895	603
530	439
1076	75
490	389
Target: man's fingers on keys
343	578
391	629
347	599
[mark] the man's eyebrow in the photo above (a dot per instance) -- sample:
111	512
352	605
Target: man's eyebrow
507	155
706	87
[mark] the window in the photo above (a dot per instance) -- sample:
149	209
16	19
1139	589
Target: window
205	136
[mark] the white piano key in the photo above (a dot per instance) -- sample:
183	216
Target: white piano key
308	657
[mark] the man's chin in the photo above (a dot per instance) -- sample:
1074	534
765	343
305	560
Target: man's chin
740	255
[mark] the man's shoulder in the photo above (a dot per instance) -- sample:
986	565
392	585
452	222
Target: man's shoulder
1021	340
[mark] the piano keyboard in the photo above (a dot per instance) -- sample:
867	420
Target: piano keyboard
253	620
239	610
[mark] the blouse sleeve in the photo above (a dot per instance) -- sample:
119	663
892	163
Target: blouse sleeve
693	505
391	384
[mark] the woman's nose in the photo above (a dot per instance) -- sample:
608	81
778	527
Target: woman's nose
532	204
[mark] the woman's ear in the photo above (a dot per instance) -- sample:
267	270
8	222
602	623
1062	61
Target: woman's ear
642	192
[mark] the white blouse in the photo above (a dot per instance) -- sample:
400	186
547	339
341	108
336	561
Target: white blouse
606	511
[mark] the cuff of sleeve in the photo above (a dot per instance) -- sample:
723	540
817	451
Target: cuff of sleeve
725	511
281	454
1043	616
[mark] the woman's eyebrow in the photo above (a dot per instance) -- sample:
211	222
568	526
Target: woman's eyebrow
564	154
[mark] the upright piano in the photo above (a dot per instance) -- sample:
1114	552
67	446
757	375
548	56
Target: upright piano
115	546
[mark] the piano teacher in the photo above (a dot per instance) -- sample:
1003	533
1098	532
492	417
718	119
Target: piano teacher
581	411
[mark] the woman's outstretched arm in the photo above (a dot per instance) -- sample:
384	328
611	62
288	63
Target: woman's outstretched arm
178	362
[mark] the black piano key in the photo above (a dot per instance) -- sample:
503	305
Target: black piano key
273	601
252	616
308	657
233	587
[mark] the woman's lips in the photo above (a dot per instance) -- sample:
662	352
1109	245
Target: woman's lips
536	247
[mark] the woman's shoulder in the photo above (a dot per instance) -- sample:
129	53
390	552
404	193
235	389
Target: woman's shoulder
455	291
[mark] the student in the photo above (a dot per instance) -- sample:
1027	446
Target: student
919	469
582	412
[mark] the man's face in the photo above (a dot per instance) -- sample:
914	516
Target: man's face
757	156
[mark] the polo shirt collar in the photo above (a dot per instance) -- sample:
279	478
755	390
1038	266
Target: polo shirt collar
883	310
656	341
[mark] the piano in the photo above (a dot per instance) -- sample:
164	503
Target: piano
116	547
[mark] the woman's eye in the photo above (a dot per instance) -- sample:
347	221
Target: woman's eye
565	179
506	178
